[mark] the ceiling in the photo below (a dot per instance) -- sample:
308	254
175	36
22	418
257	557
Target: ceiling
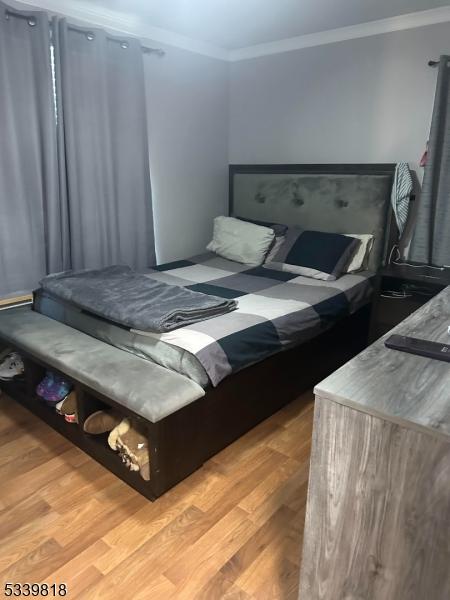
233	24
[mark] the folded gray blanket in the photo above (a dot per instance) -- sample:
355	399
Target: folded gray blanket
123	296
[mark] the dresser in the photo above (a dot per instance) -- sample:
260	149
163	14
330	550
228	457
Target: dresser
378	512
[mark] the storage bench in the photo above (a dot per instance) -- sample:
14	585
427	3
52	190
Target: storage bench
104	376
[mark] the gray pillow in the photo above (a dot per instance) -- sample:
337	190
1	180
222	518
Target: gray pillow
279	230
241	241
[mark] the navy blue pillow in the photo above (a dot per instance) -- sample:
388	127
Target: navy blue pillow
316	254
319	250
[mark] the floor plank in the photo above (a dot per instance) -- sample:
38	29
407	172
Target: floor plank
231	531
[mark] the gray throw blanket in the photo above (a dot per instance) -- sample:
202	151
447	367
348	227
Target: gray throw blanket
123	296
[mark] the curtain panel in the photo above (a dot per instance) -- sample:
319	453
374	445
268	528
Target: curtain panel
431	239
30	217
103	148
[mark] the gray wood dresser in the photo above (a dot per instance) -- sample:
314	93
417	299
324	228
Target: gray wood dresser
378	513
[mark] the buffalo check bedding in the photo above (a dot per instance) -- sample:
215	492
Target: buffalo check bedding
276	310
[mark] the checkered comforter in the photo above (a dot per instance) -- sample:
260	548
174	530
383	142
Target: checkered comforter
275	310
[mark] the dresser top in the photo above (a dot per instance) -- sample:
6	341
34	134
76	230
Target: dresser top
411	390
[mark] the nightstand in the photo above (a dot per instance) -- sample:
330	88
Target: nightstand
401	290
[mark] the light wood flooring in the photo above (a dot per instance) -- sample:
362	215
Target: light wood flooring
232	530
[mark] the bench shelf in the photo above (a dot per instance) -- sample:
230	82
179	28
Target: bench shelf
22	391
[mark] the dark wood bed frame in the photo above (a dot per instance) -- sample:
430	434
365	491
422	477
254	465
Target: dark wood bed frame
180	443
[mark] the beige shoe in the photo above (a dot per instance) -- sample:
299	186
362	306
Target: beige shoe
102	421
133	445
68	406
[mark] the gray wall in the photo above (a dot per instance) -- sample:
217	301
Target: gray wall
188	136
363	100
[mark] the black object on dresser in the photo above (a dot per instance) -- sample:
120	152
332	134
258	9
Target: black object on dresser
402	289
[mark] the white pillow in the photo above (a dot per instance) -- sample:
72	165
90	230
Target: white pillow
241	241
361	257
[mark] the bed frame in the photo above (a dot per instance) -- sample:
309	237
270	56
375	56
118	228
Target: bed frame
181	442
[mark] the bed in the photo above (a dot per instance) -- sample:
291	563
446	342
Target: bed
276	311
288	332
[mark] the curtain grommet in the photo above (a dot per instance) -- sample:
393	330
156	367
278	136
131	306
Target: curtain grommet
124	45
31	22
90	36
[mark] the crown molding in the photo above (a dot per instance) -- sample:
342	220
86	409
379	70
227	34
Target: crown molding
331	36
83	12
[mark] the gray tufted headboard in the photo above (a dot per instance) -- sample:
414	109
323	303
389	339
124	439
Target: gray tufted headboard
334	198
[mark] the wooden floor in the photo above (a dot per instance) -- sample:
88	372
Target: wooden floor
233	530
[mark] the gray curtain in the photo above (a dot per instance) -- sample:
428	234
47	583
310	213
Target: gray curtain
103	148
431	240
30	219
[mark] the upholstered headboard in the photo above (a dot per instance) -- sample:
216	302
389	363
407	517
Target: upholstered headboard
334	198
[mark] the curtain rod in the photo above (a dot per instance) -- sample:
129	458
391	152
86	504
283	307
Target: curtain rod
9	12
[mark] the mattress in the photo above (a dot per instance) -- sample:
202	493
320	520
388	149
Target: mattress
276	310
164	354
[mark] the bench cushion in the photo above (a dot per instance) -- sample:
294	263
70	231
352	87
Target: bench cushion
145	388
